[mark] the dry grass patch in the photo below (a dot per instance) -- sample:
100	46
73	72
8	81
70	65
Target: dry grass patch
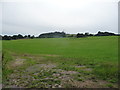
17	63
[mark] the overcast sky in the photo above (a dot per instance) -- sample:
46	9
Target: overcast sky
71	16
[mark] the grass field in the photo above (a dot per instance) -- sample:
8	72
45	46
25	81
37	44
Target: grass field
61	62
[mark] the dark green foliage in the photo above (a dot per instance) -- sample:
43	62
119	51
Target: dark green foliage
80	35
52	35
14	37
105	34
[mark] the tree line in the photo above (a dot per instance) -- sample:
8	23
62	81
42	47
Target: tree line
55	35
98	34
14	37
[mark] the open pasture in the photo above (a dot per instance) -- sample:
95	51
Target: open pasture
61	62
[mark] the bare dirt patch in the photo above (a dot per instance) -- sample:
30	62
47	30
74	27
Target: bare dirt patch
38	67
69	72
47	74
80	66
50	55
65	77
88	69
17	62
84	68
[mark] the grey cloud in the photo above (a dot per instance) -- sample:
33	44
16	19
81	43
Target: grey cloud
35	18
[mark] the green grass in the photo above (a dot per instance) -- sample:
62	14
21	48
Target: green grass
98	53
97	48
5	70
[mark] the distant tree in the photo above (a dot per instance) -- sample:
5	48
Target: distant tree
105	34
80	35
86	34
52	35
20	36
25	36
63	34
70	35
29	36
32	37
14	37
5	37
91	35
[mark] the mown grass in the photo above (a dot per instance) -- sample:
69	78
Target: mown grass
97	48
98	53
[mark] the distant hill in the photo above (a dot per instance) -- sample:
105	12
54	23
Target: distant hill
52	35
